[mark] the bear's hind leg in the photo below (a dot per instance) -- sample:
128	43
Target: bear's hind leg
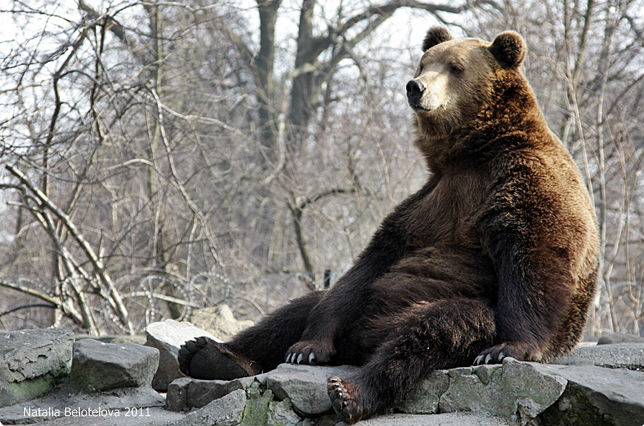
258	348
426	336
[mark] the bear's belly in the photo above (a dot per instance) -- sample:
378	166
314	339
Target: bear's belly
449	271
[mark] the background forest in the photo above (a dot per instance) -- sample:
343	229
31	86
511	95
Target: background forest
160	156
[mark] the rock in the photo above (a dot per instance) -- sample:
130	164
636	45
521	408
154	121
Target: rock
149	416
514	390
81	408
280	413
185	393
168	336
225	411
99	366
597	396
612	338
219	321
304	386
328	420
424	400
447	419
116	338
257	403
31	362
623	355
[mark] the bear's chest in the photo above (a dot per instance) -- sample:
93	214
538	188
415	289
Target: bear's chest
449	213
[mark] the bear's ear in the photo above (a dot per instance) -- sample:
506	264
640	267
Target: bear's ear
509	49
434	36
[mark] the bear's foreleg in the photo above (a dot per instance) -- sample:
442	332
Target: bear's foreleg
425	337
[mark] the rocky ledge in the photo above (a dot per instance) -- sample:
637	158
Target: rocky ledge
50	378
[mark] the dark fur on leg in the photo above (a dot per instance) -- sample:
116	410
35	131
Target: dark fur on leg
426	337
256	349
266	342
203	358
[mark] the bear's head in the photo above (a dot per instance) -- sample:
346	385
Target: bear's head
455	78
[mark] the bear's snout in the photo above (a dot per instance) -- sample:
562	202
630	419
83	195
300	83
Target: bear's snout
415	91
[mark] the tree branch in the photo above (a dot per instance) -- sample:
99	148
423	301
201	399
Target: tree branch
121	310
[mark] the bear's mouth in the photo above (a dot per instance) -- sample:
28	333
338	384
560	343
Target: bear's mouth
418	107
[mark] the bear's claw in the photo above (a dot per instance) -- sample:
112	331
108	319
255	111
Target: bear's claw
342	401
310	352
517	350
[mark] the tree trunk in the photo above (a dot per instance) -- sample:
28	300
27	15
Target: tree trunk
264	63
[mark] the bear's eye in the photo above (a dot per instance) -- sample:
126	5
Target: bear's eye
455	68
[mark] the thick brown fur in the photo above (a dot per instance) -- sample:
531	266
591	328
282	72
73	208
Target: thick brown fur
495	256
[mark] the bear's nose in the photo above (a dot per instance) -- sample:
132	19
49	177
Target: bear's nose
415	89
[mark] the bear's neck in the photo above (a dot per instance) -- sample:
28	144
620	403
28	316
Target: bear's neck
511	119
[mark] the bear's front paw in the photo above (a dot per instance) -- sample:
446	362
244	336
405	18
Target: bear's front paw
310	352
518	350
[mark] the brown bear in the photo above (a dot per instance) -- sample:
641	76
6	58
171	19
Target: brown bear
495	256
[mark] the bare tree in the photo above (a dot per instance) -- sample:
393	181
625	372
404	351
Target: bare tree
162	156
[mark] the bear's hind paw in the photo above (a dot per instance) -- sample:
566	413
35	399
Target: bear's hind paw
343	401
204	358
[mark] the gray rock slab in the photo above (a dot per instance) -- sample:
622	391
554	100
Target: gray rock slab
186	393
514	390
99	366
305	386
225	411
596	395
149	416
622	355
31	361
62	403
168	336
612	338
115	338
425	399
280	413
447	419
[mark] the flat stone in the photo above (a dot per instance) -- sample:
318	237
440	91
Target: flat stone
280	413
99	366
149	416
447	419
304	385
258	401
185	393
514	390
115	338
67	406
622	355
597	396
425	398
32	361
225	411
612	338
168	336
